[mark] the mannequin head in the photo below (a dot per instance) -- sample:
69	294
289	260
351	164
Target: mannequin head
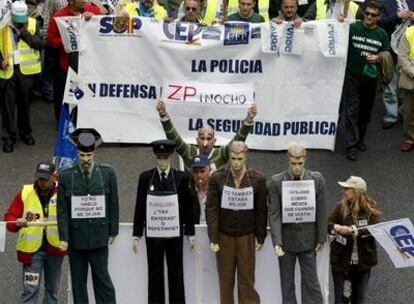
238	156
296	160
86	159
163	162
86	141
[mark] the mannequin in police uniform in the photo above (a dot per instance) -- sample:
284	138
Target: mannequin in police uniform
87	233
18	69
236	214
168	187
302	239
37	246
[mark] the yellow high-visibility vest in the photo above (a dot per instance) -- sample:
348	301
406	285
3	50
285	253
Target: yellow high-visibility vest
29	59
133	10
263	5
30	238
409	34
322	7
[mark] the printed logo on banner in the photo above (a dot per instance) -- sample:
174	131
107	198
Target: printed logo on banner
331	39
119	26
290	32
211	33
402	237
255	33
73	31
236	33
182	32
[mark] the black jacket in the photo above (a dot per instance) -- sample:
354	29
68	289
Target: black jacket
186	206
341	254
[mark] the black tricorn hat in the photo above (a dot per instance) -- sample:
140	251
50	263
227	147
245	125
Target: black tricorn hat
86	139
163	147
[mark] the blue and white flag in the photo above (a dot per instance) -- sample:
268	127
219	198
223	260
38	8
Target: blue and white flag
397	239
64	150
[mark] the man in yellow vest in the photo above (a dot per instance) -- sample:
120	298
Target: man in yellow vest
20	43
146	8
37	243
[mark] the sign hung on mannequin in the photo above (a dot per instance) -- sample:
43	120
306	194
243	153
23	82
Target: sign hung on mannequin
88	206
298	201
237	199
162	216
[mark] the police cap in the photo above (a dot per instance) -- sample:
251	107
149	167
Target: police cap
163	147
85	139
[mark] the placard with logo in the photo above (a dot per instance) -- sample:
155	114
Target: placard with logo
88	206
163	219
298	201
237	199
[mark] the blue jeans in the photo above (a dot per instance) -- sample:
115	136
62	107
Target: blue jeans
46	265
390	97
359	284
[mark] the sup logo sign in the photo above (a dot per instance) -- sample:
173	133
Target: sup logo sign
114	26
236	33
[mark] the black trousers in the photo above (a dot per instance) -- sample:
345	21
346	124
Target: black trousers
173	249
358	97
15	93
102	284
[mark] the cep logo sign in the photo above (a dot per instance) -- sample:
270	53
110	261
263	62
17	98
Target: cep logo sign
182	31
180	93
119	25
404	240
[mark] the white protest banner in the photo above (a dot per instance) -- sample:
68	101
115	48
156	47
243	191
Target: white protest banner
126	68
197	93
163	219
237	199
298	201
69	32
88	206
292	40
330	35
2	236
129	271
271	36
397	239
75	89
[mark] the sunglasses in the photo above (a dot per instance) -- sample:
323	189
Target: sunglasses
190	9
370	14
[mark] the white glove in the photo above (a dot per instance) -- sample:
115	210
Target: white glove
63	245
191	242
214	247
258	246
279	251
111	240
135	246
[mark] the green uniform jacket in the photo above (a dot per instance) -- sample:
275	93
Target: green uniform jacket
94	232
218	157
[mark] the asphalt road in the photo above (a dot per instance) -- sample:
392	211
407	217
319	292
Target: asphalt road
388	172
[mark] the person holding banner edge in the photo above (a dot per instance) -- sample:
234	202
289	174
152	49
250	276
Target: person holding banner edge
33	215
298	234
165	209
236	214
88	218
205	139
353	250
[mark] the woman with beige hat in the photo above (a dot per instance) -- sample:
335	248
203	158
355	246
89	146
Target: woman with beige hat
353	249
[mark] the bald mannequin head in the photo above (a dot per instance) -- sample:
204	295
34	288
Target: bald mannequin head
297	159
205	140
